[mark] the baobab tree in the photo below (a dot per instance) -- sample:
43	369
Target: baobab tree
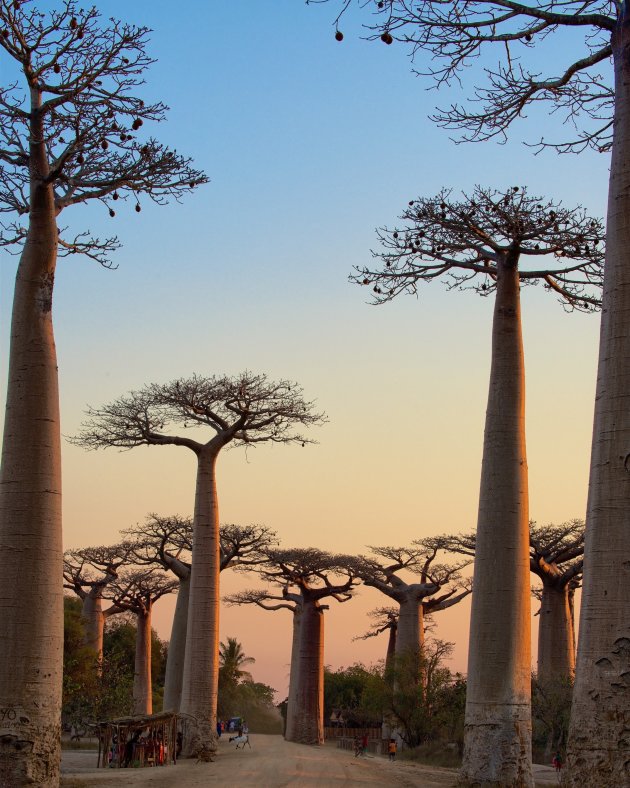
578	84
556	559
494	242
167	542
243	411
70	132
87	572
282	600
306	576
384	619
136	592
435	586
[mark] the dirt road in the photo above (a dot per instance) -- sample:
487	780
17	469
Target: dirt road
270	763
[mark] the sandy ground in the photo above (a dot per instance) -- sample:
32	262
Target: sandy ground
271	763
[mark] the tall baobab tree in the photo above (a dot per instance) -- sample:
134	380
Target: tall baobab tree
244	410
136	592
167	542
494	242
578	84
87	572
432	587
70	120
306	576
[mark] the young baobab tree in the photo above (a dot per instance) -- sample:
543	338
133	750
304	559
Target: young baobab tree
243	411
384	619
493	242
137	592
580	85
433	587
70	132
87	572
307	576
167	542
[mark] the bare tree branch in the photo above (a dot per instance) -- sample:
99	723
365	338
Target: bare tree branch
138	590
244	410
77	98
463	242
313	574
448	37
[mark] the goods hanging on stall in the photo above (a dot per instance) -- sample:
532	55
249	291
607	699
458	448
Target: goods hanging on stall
138	741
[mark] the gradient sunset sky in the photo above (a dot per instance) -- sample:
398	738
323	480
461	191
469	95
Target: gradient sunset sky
310	144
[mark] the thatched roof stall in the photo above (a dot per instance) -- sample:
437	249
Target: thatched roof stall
138	741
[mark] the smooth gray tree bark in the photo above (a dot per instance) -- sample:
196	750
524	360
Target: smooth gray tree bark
142	687
497	743
599	737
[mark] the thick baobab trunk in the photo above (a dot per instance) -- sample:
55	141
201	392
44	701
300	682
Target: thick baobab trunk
599	736
94	623
556	655
177	650
410	635
309	717
31	594
497	743
201	667
292	708
142	690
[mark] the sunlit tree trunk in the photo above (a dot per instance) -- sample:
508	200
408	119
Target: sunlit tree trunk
599	738
497	744
556	654
201	667
294	679
142	691
309	718
94	622
177	649
410	635
31	595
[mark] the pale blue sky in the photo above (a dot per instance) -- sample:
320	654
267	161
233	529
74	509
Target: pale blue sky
310	144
